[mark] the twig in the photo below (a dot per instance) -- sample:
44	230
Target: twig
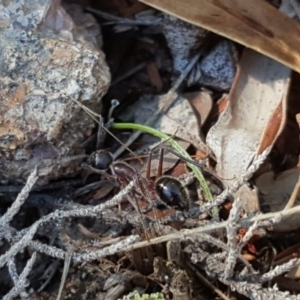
253	291
185	233
110	250
278	270
243	180
220	244
96	117
15	207
207	283
231	229
12	269
22	282
249	234
131	72
48	274
25	236
68	258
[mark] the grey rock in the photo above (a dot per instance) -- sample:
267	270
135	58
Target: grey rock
46	61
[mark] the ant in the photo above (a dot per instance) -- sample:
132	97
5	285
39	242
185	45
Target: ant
165	190
169	190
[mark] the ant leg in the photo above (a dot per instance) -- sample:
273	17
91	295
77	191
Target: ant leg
151	150
160	164
197	164
148	171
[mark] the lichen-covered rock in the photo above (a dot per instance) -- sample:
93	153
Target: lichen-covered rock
46	59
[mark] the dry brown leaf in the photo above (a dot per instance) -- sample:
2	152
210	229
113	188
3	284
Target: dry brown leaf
103	191
274	127
255	24
259	88
202	102
276	192
291	251
154	76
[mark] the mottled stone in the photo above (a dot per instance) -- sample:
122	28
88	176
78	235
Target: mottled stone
46	59
215	70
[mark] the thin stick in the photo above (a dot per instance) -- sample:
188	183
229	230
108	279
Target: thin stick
207	283
129	73
65	273
96	117
183	234
22	196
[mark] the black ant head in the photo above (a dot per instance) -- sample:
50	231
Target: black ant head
100	160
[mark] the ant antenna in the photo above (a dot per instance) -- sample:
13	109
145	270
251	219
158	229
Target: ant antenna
96	117
113	104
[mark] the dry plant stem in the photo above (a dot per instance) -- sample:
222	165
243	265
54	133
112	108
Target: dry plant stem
25	236
175	145
22	282
207	283
278	270
68	258
251	290
231	229
12	269
84	257
294	195
186	233
255	291
169	99
96	117
249	234
15	207
49	275
220	244
244	178
131	72
110	250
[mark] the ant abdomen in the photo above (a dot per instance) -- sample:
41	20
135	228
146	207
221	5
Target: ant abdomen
171	191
